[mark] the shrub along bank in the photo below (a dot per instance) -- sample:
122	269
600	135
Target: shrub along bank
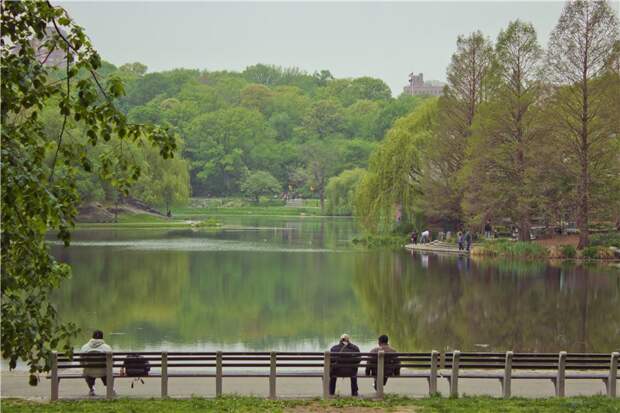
531	250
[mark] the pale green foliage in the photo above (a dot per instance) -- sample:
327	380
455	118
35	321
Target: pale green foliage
320	162
340	191
395	170
260	183
164	183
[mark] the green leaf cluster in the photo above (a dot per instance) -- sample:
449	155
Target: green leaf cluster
51	89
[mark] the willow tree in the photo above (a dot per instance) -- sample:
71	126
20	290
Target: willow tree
396	167
501	158
467	88
47	58
580	48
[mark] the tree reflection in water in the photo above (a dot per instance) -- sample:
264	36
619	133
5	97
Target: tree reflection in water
443	302
171	297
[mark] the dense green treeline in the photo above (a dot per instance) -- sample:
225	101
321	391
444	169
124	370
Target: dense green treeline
521	136
264	131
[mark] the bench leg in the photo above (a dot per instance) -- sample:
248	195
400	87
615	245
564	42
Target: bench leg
164	374
55	380
272	376
560	385
218	374
506	381
613	375
454	381
432	379
326	373
109	372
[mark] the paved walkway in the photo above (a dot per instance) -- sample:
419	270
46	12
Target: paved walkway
15	384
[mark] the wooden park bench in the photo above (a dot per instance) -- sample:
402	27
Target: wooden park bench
219	365
271	365
532	366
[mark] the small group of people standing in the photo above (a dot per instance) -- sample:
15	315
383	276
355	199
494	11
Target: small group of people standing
425	237
347	366
464	240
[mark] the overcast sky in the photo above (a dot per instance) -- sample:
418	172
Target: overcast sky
383	40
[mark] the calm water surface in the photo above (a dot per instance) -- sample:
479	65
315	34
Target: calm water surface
296	284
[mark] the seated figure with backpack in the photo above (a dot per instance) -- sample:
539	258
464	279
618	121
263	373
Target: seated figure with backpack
95	366
391	364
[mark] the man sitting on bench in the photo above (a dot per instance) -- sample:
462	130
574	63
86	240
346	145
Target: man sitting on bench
97	348
390	362
344	365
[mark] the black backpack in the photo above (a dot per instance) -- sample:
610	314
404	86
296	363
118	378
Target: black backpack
136	366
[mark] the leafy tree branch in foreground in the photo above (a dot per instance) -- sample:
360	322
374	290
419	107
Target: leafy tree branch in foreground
48	61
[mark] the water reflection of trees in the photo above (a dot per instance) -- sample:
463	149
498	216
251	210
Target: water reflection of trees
121	291
458	303
260	300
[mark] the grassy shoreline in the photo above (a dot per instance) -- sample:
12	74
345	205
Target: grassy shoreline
391	403
532	250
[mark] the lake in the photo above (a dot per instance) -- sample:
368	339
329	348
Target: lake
264	283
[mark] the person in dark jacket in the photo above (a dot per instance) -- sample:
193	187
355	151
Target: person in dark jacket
488	230
390	362
344	365
468	239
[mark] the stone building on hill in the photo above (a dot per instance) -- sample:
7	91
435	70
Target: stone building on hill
417	86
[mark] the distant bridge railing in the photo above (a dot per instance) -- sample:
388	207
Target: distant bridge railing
430	366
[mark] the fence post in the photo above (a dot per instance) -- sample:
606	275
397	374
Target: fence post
380	373
109	375
454	381
272	376
560	384
507	382
218	374
613	374
55	382
326	374
164	374
432	380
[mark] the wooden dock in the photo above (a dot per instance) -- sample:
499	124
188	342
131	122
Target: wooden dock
437	246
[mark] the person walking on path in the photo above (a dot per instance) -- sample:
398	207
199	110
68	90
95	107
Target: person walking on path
345	364
390	361
468	240
414	237
97	347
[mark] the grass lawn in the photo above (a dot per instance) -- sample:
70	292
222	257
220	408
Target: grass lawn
348	405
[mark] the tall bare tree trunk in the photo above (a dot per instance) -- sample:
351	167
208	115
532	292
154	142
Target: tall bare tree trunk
584	184
584	201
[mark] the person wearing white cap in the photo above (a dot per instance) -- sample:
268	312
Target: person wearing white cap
344	365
